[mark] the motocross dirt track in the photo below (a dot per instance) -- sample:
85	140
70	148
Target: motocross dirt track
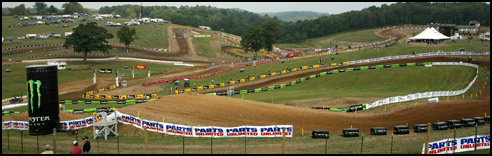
277	80
208	110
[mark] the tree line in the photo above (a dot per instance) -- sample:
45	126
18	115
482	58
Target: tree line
236	21
41	8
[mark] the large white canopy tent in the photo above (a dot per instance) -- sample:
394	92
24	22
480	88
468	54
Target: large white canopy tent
430	34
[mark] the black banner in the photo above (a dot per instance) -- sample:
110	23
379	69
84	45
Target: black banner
42	97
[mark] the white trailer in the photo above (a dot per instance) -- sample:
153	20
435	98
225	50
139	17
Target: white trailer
60	65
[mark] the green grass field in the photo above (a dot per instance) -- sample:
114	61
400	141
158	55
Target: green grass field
13	83
203	48
150	35
360	36
159	143
380	83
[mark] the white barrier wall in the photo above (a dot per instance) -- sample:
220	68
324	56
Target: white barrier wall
170	128
415	96
14	106
7	99
177	63
446	146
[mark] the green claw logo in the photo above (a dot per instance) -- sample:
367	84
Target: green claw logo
30	90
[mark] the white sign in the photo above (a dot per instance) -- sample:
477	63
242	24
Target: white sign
432	100
459	145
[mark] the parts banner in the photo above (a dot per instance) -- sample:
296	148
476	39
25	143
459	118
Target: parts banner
446	146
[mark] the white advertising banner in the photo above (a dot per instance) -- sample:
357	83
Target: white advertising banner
446	146
414	96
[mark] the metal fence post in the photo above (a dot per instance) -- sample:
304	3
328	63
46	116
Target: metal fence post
326	144
245	145
427	139
391	151
476	139
22	143
362	144
97	142
283	140
454	138
8	139
54	140
37	143
118	143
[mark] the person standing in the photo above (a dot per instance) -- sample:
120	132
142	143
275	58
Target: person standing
47	150
76	149
87	145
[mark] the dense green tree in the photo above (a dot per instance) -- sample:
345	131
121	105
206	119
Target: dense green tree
126	35
87	38
52	9
269	28
40	8
253	39
18	10
72	7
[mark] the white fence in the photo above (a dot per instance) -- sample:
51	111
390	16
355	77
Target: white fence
415	96
169	128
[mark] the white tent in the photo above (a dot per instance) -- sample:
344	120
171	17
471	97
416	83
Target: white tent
430	34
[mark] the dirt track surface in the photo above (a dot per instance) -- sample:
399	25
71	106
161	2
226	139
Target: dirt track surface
208	110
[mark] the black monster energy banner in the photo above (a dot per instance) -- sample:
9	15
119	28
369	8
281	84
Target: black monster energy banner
42	94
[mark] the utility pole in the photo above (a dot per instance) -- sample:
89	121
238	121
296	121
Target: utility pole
141	8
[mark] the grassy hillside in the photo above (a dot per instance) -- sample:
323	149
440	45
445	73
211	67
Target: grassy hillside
293	16
150	35
203	47
373	84
356	37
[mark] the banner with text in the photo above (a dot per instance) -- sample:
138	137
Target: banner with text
446	146
140	67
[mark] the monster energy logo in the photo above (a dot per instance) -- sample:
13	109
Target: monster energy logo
30	91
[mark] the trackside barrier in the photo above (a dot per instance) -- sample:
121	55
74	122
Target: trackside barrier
106	102
168	128
415	96
14	106
9	112
59	46
197	77
463	144
8	99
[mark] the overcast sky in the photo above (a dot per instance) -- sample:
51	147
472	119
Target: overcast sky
325	7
